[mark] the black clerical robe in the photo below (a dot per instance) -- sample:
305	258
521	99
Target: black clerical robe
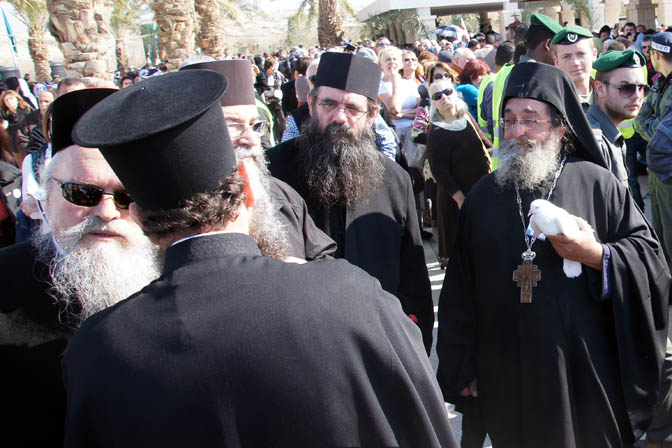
580	365
380	235
229	348
305	239
33	337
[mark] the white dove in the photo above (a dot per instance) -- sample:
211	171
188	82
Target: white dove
551	220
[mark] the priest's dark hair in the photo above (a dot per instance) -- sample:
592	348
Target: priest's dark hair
201	212
568	142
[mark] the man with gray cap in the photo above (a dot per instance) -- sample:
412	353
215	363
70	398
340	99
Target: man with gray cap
361	199
228	347
553	360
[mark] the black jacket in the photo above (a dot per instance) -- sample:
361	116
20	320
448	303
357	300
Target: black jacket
229	348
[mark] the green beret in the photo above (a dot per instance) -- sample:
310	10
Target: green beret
571	35
542	20
616	59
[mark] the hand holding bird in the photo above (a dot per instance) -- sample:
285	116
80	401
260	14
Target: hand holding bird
571	236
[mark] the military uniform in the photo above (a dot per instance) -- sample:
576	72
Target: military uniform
610	141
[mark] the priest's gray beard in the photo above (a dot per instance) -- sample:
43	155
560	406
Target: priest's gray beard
94	275
528	163
265	225
342	165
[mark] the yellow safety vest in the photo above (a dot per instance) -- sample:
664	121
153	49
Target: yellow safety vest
497	92
269	116
487	79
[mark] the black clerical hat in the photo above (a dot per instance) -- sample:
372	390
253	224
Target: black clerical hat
548	83
239	74
348	72
165	137
67	109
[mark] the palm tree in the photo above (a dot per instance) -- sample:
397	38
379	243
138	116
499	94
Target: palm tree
125	15
33	13
329	14
330	24
210	36
81	27
176	26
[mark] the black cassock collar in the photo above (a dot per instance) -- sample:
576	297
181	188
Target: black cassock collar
208	246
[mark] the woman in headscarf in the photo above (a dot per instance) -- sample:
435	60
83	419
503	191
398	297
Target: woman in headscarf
457	151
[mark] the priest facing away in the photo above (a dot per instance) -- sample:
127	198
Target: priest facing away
550	360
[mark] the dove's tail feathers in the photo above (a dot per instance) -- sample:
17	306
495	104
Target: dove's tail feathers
572	268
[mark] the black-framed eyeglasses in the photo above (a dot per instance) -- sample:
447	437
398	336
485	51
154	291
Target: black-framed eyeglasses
438	76
89	196
236	130
437	95
628	89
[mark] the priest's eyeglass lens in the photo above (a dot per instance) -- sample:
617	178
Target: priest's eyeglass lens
237	129
330	106
438	76
628	90
90	196
437	95
526	123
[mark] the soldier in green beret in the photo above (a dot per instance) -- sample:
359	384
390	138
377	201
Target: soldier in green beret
620	89
574	53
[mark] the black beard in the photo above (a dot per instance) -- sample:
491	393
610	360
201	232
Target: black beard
342	166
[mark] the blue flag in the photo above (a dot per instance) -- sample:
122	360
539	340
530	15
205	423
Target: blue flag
12	39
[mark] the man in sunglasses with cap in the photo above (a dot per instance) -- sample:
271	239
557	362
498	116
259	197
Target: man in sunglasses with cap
228	347
88	255
620	89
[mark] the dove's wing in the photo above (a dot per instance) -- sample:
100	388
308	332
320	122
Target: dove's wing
567	224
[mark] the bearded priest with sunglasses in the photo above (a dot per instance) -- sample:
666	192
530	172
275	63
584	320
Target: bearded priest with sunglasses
88	255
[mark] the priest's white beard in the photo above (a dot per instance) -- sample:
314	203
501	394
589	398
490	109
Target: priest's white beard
95	274
266	227
528	163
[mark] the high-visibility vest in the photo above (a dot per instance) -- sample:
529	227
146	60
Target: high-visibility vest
269	116
487	79
497	93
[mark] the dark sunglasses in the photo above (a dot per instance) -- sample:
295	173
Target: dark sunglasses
90	196
438	76
437	95
629	89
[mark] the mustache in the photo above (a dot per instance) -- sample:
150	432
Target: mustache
95	224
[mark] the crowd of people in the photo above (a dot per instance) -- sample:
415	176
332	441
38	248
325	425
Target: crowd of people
231	254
